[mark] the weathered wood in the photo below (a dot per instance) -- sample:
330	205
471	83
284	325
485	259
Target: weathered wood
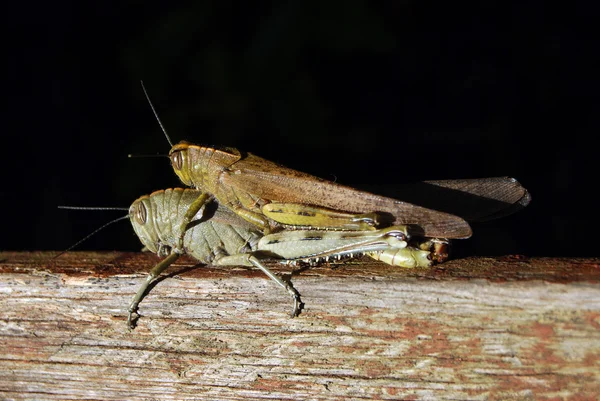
471	329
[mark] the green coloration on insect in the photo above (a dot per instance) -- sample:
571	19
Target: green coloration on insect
218	236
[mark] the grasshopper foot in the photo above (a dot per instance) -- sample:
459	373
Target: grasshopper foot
298	305
132	318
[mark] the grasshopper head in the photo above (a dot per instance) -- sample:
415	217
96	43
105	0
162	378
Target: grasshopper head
196	166
180	160
140	215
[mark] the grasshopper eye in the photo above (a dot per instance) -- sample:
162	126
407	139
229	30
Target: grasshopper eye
177	160
140	214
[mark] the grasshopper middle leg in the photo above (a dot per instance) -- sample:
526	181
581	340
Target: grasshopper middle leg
248	259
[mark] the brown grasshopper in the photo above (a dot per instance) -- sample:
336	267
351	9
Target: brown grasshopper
261	191
269	195
220	237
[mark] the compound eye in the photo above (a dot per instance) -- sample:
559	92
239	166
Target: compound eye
177	160
140	213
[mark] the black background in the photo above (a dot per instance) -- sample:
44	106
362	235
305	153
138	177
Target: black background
371	93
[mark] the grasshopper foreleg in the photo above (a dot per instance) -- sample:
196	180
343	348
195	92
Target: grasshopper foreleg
248	259
192	210
154	273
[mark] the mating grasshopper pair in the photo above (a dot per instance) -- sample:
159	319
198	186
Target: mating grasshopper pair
245	209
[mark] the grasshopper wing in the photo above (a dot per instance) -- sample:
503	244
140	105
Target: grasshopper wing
478	199
268	180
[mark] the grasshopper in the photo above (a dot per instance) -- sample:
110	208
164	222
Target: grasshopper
270	195
220	237
258	190
267	194
261	192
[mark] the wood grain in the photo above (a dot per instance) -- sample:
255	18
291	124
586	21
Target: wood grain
471	329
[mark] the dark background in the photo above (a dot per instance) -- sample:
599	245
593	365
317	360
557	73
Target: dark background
371	93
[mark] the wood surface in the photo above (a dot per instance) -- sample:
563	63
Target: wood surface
472	329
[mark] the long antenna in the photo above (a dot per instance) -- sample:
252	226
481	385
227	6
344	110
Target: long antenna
96	230
156	114
135	156
92	208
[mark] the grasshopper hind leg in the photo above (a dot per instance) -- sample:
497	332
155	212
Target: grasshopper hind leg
251	260
320	218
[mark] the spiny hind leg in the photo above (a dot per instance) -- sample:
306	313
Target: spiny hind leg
296	214
248	259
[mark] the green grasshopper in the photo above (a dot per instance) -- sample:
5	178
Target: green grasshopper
220	237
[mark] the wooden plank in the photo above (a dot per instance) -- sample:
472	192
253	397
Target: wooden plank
470	329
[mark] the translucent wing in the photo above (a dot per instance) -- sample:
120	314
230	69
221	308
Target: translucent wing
269	180
478	199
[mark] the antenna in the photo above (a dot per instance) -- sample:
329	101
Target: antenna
96	230
156	114
92	208
136	156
